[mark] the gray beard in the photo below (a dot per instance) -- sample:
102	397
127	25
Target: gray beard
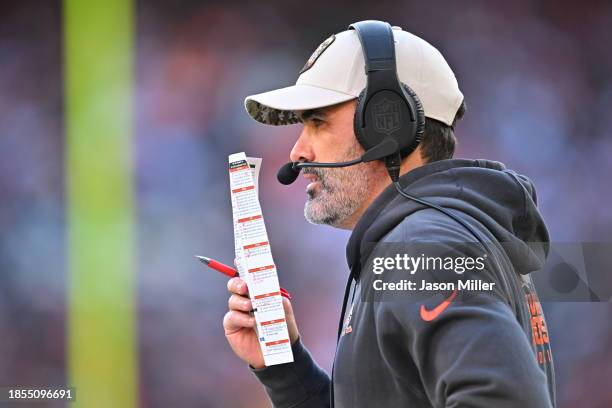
340	193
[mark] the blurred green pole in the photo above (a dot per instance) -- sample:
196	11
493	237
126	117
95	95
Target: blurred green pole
98	61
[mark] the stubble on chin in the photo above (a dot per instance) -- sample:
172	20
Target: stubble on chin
338	195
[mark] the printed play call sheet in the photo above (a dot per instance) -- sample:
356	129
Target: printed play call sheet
254	260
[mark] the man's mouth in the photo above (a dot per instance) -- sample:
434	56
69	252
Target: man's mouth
313	181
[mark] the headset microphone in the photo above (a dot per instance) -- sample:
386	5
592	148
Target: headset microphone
289	172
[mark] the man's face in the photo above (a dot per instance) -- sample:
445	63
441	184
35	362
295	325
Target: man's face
336	196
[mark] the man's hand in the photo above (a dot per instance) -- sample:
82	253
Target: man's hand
239	324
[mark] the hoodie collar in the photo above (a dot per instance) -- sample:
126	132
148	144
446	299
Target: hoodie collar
361	235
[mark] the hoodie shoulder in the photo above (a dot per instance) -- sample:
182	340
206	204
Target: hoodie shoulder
432	225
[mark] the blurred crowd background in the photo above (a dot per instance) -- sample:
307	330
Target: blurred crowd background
537	80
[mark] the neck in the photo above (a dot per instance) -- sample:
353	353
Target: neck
383	181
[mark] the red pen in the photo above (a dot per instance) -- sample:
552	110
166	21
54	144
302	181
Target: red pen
229	271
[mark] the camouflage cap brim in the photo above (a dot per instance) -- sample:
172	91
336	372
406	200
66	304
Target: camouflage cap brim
270	116
283	106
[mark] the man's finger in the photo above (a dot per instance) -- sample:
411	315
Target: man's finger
235	320
237	286
287	306
291	325
240	303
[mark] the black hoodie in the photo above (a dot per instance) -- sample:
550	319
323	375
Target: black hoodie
486	350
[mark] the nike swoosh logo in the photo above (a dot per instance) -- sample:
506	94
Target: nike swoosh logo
429	315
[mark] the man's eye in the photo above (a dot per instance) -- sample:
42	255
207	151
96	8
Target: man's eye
316	122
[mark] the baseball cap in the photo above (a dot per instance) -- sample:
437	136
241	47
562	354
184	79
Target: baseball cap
335	73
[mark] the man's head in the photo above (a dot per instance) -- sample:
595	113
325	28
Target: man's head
323	99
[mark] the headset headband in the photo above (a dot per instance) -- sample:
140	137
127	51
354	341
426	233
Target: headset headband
376	38
378	46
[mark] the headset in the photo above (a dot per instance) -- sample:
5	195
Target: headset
388	112
389	119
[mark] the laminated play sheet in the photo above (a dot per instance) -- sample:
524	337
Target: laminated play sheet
254	260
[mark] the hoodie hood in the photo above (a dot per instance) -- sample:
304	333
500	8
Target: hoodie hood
504	202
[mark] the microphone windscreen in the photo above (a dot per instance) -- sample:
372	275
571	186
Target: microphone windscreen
287	174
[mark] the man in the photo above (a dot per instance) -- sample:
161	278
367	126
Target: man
489	349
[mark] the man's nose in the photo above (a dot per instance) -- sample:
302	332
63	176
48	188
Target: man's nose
302	149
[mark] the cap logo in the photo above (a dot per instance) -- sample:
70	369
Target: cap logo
317	53
387	116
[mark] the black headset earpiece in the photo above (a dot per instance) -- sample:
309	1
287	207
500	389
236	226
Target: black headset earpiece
407	142
386	108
